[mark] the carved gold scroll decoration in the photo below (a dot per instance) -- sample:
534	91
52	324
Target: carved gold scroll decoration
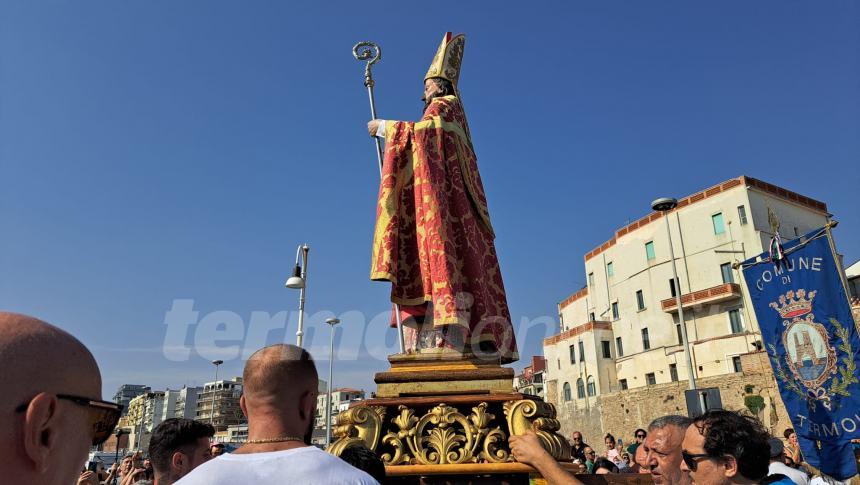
359	425
537	416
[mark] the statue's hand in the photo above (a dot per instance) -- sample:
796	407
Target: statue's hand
372	126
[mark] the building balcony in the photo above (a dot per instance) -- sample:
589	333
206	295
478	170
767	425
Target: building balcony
716	294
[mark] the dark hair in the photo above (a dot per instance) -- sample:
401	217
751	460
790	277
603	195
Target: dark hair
788	432
365	460
172	435
609	437
739	435
604	463
446	88
639	430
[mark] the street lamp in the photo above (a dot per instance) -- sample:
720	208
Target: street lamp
298	281
119	432
331	322
664	205
216	363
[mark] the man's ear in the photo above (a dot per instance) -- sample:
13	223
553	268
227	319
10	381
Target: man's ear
41	422
308	405
243	405
731	465
177	461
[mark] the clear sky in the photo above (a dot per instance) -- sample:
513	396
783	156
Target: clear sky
162	150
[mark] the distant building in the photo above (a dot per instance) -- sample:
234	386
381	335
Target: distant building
621	330
237	433
126	393
218	404
186	402
145	412
341	399
530	380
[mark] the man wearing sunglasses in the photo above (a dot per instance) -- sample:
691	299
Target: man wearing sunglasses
50	411
725	447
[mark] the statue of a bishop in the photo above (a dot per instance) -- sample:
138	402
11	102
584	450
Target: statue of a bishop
433	239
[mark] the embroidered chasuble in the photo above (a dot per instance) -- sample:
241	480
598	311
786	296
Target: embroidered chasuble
433	239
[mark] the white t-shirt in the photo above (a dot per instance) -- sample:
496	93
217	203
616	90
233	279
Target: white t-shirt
796	476
297	466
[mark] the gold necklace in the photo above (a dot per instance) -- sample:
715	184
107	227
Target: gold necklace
279	439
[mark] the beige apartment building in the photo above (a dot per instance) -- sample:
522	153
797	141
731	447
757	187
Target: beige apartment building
620	335
218	404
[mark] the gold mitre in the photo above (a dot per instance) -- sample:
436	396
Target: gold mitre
448	59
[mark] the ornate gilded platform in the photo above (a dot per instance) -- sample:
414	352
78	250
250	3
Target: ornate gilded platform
448	416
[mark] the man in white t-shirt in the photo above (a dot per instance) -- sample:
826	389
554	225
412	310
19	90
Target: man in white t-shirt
280	396
778	466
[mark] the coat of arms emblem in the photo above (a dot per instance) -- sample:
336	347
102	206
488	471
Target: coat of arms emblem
809	355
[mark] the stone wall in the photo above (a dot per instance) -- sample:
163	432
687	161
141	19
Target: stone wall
620	413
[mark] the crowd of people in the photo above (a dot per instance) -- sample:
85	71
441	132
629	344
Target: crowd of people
719	447
55	415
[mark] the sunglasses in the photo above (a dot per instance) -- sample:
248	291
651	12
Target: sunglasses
104	415
640	436
692	459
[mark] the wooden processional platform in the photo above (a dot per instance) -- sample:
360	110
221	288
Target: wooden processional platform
442	417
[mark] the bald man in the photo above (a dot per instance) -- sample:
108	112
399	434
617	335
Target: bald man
50	408
279	399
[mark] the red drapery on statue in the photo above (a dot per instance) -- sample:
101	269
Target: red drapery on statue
433	239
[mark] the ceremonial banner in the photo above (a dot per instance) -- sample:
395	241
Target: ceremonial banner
811	338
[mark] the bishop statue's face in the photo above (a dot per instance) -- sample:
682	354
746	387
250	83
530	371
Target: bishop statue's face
431	90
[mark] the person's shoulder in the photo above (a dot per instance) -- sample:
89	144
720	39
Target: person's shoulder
346	474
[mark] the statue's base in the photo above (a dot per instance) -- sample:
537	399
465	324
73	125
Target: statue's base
442	373
445	418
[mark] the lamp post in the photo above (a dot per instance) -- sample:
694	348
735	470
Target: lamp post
119	432
298	281
664	205
331	322
216	363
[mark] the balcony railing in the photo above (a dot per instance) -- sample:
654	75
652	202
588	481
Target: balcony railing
716	294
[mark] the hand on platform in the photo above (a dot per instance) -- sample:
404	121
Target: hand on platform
372	127
527	449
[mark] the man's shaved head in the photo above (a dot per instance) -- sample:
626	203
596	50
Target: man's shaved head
47	441
280	389
279	372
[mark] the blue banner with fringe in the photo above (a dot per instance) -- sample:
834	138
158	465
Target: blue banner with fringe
811	338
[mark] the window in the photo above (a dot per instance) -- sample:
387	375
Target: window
614	310
680	334
726	270
591	389
649	250
566	391
717	221
591	317
640	300
736	363
610	269
623	383
646	342
591	279
572	350
607	353
672	287
580	389
742	214
735	320
650	379
673	372
581	351
618	347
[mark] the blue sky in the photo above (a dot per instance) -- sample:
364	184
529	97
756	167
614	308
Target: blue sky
159	150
